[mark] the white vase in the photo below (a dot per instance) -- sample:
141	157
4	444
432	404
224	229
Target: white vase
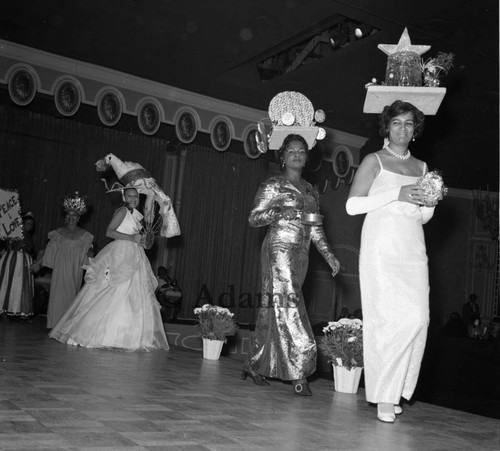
212	349
346	381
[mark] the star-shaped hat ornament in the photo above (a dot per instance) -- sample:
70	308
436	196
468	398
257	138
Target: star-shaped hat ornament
404	45
426	99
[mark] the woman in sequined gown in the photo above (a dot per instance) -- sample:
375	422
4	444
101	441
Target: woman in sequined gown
284	346
393	267
117	308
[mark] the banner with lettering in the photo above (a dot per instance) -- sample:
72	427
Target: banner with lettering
10	215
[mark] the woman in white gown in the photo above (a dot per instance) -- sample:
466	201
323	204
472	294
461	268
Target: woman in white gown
393	266
117	307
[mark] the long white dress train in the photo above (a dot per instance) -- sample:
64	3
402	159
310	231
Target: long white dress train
117	307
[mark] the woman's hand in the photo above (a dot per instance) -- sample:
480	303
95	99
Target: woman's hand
335	267
413	194
288	213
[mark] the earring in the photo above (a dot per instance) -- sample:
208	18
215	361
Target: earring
413	139
282	165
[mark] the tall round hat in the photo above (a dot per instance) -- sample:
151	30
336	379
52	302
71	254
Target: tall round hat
290	112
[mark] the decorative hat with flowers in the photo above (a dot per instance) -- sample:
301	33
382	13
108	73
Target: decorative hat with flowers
215	323
75	202
409	78
343	343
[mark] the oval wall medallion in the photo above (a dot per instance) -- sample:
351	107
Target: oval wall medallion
109	108
22	86
67	97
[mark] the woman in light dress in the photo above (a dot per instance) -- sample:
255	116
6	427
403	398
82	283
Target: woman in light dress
68	249
116	308
393	266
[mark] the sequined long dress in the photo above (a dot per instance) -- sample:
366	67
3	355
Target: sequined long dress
284	345
116	308
394	293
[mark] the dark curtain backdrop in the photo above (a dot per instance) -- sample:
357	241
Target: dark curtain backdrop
218	254
219	258
44	157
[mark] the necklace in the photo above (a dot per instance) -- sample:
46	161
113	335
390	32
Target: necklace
397	155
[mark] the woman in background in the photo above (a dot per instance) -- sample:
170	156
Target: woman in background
284	345
67	251
16	278
117	309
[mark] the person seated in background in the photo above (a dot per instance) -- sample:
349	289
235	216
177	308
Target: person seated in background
470	311
168	294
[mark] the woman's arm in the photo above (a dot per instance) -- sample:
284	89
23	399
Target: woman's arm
115	222
319	239
265	211
359	202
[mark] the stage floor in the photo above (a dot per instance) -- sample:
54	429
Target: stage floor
57	397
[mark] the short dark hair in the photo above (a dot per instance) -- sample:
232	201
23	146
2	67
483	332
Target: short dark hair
400	107
287	141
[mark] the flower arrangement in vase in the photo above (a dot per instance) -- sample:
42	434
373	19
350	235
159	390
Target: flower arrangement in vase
342	342
215	324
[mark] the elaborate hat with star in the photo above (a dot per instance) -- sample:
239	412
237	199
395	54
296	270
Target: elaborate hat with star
403	80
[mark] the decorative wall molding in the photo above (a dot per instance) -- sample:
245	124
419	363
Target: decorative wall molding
49	69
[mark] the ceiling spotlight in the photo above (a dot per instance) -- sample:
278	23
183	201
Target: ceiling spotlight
362	30
337	39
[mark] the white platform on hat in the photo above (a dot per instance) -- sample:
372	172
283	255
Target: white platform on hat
280	132
425	99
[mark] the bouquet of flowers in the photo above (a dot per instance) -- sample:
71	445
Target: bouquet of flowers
433	185
343	343
215	323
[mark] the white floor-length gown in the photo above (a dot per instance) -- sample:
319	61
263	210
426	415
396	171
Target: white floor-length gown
117	307
395	293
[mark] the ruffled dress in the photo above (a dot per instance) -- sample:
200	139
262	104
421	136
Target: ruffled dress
116	308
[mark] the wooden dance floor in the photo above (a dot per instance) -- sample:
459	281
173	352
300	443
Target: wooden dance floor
55	397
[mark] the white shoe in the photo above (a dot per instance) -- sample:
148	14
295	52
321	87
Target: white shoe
385	413
398	410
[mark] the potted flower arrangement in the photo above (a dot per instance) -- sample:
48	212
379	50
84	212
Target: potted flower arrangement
215	324
342	342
